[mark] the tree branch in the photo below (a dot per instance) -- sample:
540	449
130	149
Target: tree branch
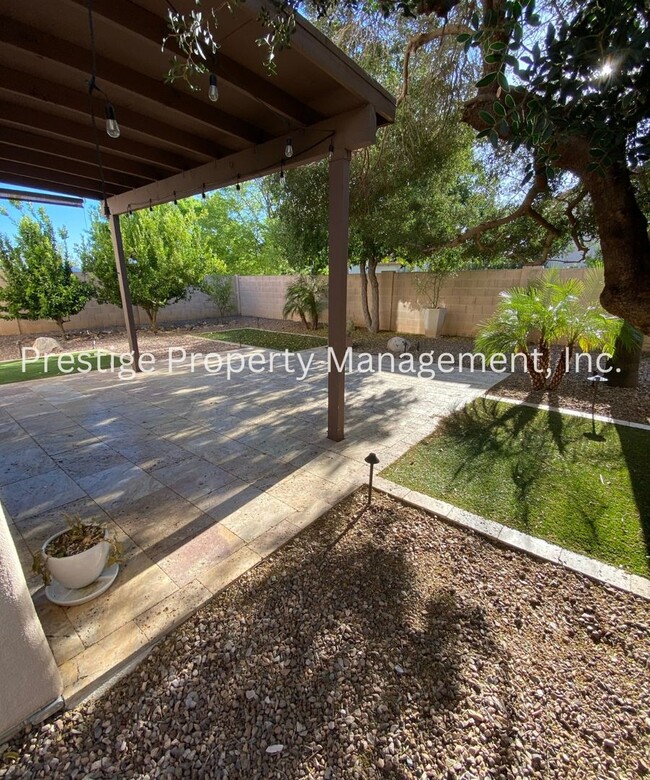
525	209
418	41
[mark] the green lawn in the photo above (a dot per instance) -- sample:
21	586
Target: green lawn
269	339
537	471
12	370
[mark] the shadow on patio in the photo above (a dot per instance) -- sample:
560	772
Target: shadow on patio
199	477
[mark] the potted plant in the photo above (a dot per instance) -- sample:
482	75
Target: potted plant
428	285
76	557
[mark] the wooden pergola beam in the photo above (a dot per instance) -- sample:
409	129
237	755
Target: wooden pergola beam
154	28
42	177
25	117
20	140
37	88
41	197
339	217
352	130
41	44
53	164
24	181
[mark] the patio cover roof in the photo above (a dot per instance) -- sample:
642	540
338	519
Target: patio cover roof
173	142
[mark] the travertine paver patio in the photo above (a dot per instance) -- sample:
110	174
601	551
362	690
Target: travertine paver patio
200	477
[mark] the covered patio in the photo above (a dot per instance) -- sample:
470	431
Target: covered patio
62	61
201	478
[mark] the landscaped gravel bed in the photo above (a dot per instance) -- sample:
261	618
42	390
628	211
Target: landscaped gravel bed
575	392
381	643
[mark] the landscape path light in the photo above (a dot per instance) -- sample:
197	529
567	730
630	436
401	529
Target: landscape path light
372	460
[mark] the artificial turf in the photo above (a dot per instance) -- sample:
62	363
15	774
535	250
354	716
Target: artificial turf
538	472
270	339
14	371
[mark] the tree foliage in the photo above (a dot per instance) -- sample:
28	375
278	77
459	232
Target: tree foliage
38	282
165	254
557	312
567	81
306	297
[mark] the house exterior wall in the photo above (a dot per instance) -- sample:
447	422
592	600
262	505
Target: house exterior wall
29	678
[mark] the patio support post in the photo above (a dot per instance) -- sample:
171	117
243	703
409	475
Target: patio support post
339	214
125	292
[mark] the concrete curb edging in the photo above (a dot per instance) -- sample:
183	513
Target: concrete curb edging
565	410
510	537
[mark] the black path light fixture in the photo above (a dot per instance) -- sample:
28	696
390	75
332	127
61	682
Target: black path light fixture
372	460
595	379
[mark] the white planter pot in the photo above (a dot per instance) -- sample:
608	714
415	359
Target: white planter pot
433	319
80	570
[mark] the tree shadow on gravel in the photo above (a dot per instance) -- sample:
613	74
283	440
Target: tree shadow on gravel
347	639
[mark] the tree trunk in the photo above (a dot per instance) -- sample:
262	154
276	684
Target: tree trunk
59	322
364	295
153	319
560	368
537	378
624	366
624	242
374	295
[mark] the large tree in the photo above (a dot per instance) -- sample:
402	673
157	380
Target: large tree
566	80
37	281
415	188
166	258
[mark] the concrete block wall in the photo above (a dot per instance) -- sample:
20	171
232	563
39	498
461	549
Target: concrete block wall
470	298
97	316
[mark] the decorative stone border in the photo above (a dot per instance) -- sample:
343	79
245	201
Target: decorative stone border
510	537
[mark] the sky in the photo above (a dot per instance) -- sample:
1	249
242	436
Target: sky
76	220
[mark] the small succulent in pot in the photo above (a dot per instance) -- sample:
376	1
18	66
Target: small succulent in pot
77	556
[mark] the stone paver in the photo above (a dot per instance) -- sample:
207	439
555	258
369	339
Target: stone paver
199	477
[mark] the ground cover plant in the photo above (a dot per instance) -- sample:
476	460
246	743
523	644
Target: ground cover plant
44	367
268	339
538	472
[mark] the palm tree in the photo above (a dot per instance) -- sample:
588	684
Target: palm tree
552	312
306	298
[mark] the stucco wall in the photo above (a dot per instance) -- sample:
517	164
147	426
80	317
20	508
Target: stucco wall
29	678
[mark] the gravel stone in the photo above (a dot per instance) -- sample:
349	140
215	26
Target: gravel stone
315	632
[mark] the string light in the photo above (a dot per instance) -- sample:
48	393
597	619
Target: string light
203	193
330	153
213	89
150	206
112	128
288	149
265	172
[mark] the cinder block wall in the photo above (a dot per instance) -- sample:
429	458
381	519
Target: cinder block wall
470	297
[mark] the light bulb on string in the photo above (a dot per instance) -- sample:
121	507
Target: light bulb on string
283	180
112	128
150	206
288	149
175	199
238	185
203	192
213	89
330	152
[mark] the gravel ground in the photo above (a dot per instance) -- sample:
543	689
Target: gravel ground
381	643
575	392
177	335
